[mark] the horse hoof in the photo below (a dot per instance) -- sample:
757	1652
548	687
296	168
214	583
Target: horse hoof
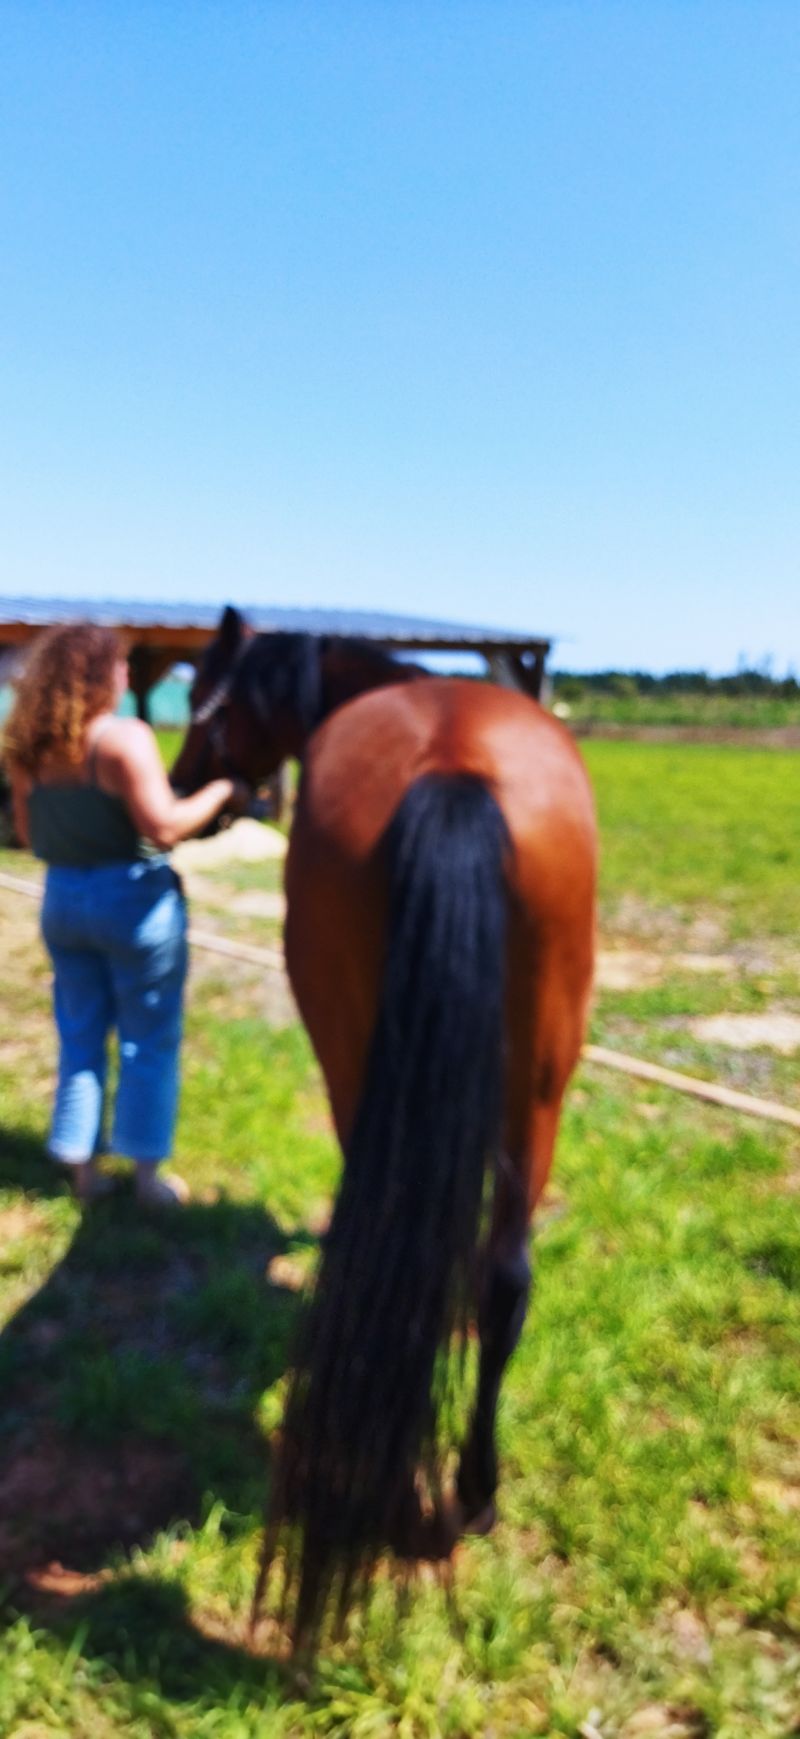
483	1521
429	1537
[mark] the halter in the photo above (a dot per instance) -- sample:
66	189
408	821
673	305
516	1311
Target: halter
212	714
214	701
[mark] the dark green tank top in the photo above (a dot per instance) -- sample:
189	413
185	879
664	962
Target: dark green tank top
78	826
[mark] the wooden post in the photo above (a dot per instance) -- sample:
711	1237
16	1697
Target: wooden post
501	669
523	670
146	666
529	671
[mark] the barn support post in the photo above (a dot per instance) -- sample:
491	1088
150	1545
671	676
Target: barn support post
501	670
145	668
529	671
525	670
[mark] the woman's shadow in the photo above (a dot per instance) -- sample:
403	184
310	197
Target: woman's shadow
129	1388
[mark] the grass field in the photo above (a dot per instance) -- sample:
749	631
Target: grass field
644	1578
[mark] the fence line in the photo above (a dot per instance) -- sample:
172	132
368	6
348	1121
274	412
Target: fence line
199	938
712	1092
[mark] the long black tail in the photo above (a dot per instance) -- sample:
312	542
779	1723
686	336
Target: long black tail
398	1271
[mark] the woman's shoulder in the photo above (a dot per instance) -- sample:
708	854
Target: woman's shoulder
115	742
114	735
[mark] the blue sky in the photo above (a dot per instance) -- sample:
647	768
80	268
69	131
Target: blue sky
473	308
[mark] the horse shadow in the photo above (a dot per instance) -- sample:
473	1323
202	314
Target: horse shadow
130	1383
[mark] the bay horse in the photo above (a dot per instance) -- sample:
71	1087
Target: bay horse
439	937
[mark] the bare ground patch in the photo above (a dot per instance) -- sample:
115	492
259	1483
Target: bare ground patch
21	949
633	921
774	1031
239	988
18	1221
634	968
733	736
217	895
63	1499
244	842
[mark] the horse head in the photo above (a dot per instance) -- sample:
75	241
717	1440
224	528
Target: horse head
254	701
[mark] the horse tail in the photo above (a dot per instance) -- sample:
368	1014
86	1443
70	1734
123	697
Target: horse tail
398	1274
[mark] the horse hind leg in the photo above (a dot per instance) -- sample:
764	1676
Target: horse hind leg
503	1304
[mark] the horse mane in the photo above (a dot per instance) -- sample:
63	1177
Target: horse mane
282	670
354	645
285	670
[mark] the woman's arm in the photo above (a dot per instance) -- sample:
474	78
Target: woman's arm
130	767
20	787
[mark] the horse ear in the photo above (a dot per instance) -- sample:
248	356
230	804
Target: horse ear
232	630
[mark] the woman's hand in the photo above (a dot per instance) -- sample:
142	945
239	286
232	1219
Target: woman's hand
240	799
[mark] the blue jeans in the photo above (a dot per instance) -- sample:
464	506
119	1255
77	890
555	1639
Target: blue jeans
116	935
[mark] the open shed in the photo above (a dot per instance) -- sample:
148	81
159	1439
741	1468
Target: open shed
162	635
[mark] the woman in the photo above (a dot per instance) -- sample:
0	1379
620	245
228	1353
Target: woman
92	799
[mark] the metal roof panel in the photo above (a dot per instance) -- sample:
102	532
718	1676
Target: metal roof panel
369	624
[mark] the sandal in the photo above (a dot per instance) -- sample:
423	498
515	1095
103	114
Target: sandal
89	1184
153	1191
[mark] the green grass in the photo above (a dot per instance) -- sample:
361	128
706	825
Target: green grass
169	742
646	1559
698	830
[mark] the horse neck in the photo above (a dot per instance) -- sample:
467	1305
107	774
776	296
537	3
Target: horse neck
350	670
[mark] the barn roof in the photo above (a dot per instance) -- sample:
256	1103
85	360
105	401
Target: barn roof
161	635
195	618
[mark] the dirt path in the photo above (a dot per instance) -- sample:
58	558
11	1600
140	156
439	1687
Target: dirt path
732	736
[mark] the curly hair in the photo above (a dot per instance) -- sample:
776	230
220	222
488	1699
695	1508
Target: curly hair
67	680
